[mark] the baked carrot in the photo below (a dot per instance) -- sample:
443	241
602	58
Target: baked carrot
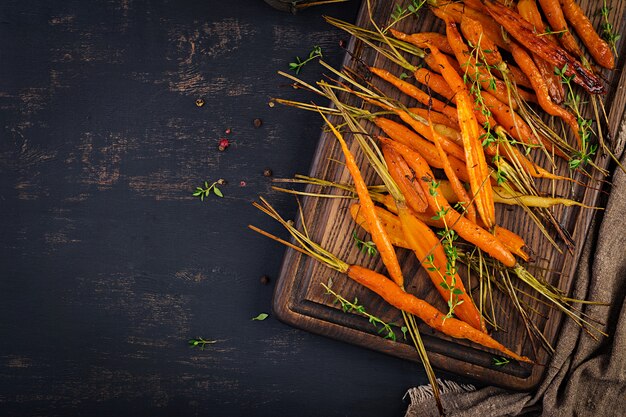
456	12
379	236
391	223
419	39
475	160
524	33
421	128
408	137
597	47
404	178
526	63
426	312
529	11
553	12
392	293
458	188
476	71
473	31
465	228
437	118
412	91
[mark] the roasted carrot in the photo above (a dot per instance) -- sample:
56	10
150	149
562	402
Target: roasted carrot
473	31
553	12
475	161
404	178
426	312
428	250
437	118
412	91
529	11
379	236
465	228
476	71
524	33
390	222
459	190
526	63
419	39
408	137
421	128
597	47
512	241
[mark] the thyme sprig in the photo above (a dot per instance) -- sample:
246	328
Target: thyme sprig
607	27
400	13
368	247
316	52
448	236
208	189
587	150
200	342
354	306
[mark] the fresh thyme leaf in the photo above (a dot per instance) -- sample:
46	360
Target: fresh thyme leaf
208	189
316	52
199	342
500	361
261	317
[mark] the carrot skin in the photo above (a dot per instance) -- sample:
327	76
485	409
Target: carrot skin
554	13
379	235
597	47
430	315
403	176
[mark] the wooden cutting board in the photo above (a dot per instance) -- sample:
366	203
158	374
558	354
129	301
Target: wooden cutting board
300	300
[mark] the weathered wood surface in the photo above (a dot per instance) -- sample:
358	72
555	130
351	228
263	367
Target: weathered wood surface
301	300
108	264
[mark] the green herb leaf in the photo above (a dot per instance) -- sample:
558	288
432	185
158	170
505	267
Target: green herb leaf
261	317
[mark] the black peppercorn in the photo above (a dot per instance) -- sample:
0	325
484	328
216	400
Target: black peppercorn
267	172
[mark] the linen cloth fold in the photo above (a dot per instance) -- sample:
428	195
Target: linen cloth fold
585	377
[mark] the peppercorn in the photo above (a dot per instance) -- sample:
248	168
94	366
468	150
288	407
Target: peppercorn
257	123
342	43
267	172
223	144
199	102
265	280
221	181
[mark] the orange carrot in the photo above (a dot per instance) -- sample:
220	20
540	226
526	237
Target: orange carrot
437	118
553	12
390	222
529	11
458	188
412	91
475	160
404	178
474	69
524	33
473	31
465	228
420	39
597	47
526	63
426	312
428	250
379	236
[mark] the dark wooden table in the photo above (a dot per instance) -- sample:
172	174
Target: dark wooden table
108	265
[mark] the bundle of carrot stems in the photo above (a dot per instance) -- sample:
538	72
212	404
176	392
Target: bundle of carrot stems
483	86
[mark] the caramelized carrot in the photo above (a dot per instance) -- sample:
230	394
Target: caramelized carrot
426	312
473	31
476	71
553	12
475	161
437	118
412	91
379	236
524	33
408	137
529	11
456	12
390	222
420	39
465	228
526	63
597	47
458	188
405	179
428	250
